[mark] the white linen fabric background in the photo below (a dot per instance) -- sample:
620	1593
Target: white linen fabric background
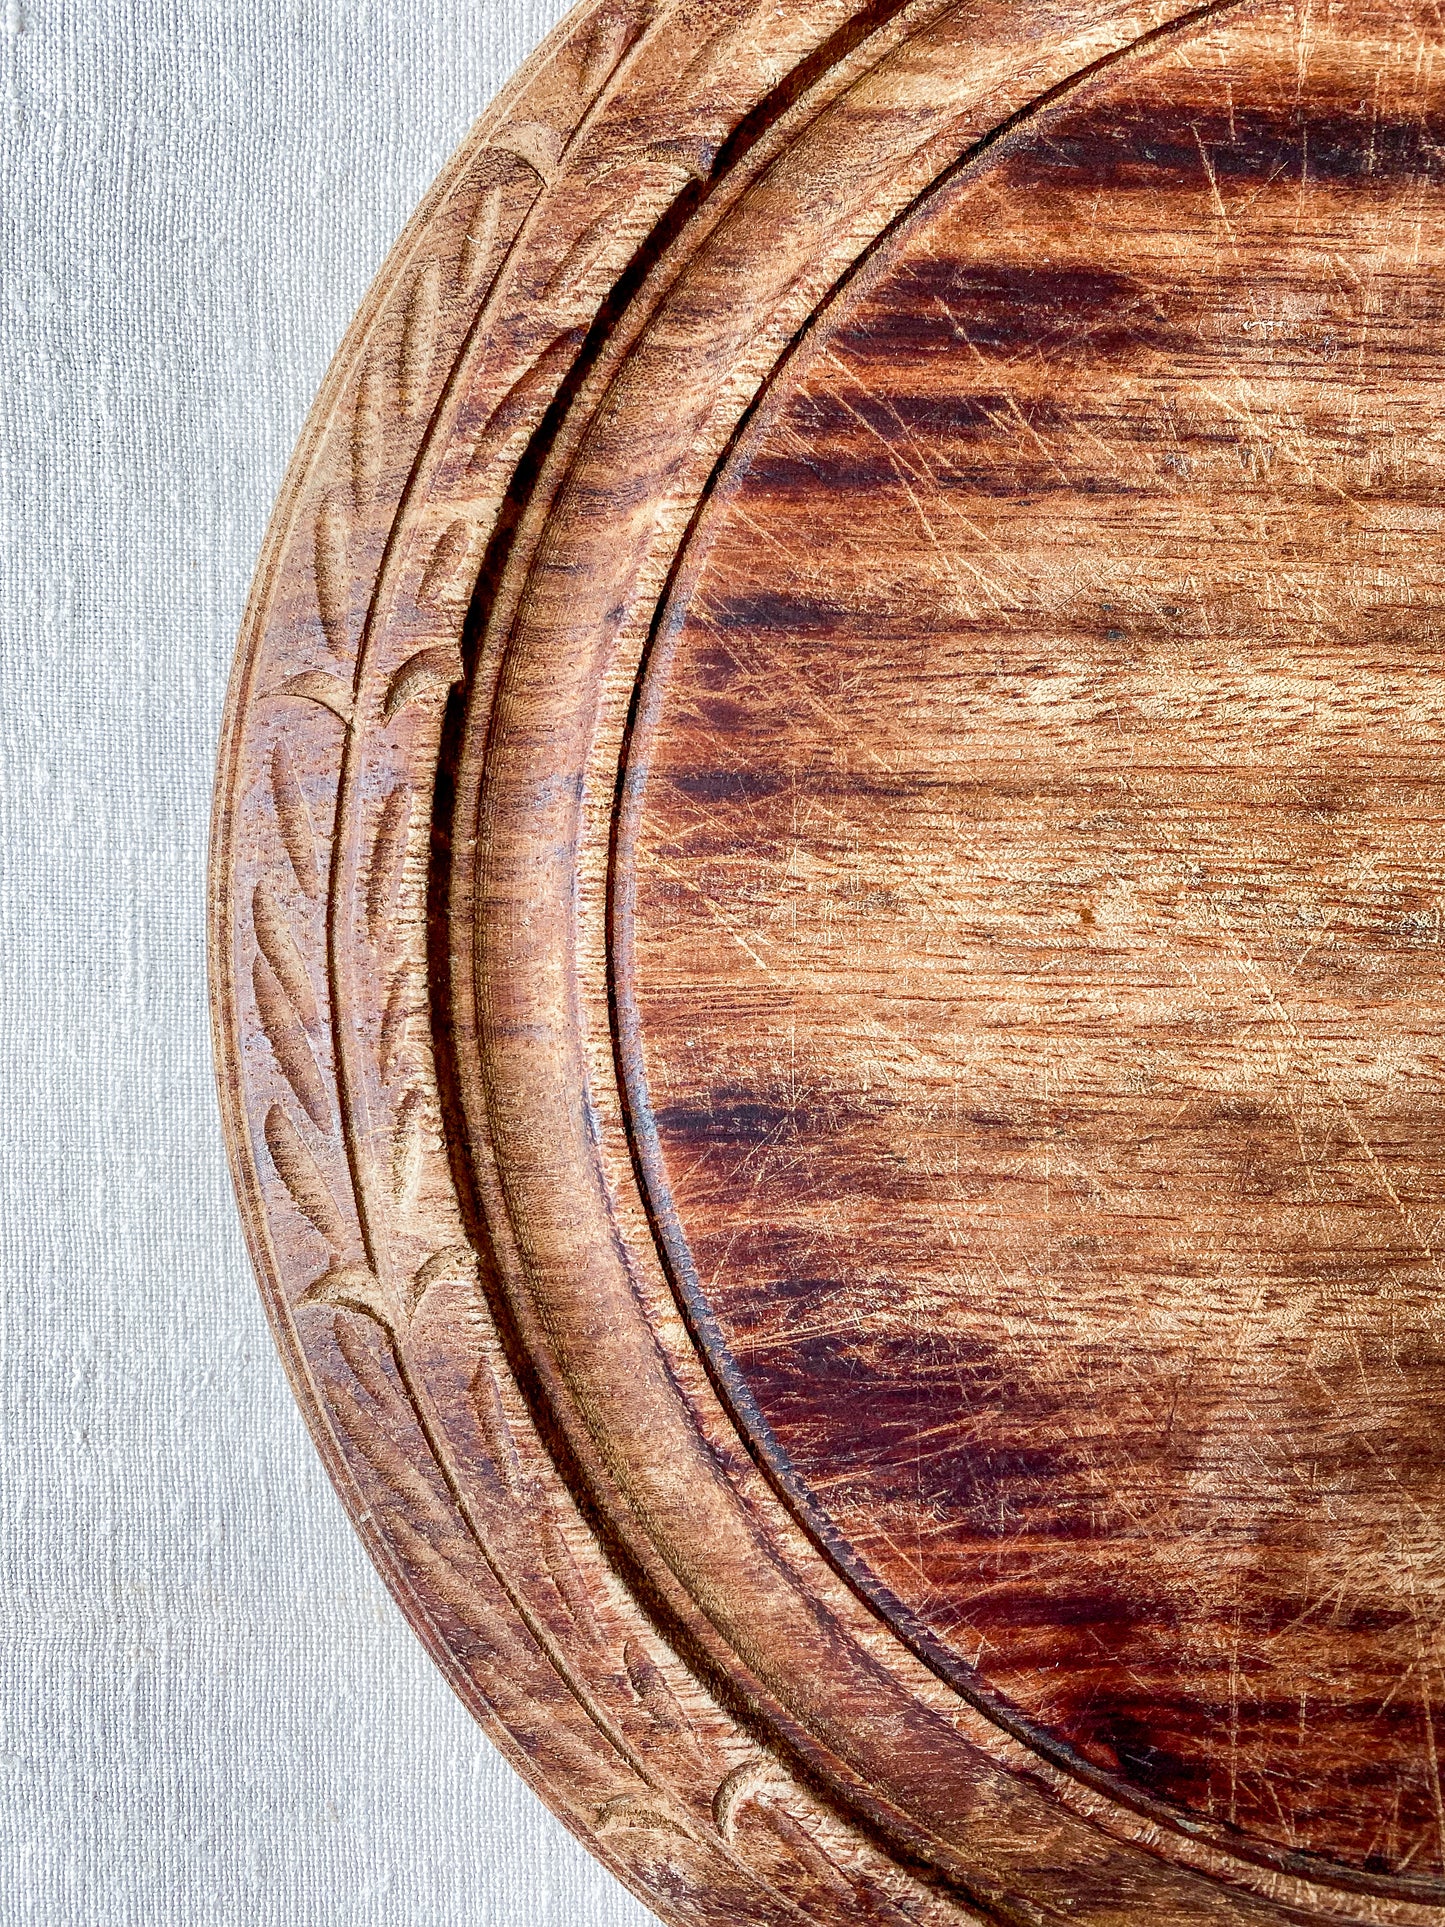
210	1711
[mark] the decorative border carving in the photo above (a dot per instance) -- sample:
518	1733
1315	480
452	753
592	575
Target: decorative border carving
374	677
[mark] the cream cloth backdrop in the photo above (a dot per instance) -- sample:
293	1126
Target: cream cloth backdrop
211	1711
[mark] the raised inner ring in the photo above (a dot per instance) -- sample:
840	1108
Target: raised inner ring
1036	860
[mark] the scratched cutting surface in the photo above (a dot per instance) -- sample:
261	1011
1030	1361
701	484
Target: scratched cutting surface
1039	867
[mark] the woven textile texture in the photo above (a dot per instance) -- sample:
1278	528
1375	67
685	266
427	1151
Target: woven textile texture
210	1712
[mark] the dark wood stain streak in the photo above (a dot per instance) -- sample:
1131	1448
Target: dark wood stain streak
1043	1034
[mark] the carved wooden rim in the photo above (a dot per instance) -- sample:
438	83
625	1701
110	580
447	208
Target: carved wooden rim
432	1100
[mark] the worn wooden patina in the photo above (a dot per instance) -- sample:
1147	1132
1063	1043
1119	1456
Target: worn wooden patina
827	927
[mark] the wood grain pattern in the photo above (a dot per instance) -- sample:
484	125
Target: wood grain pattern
827	893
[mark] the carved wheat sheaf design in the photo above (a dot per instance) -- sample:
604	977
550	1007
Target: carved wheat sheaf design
418	334
474	258
396	1012
290	1044
443	573
388	854
315	686
293	819
302	1177
385	1410
411	1337
377	1423
333	579
429	672
280	950
535	143
290	1015
368	435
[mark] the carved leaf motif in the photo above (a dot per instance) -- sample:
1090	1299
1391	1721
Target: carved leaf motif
652	1689
393	1024
866	1898
600	51
365	1366
753	1780
368	435
352	1288
419	333
501	1446
377	1445
422	1525
568	1580
333	584
431	669
409	1149
450	1585
278	947
649	1812
377	1430
315	686
384	873
442	570
293	819
761	1784
298	1171
474	261
457	1262
536	144
289	1042
569	280
515	408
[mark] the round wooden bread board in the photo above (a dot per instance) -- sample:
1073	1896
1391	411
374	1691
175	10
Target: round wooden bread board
827	900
